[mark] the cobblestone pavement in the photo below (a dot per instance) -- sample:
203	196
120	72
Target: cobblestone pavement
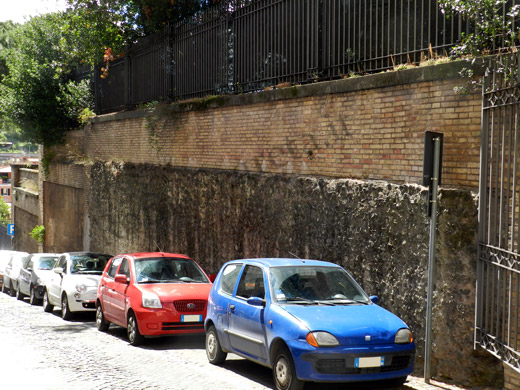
40	350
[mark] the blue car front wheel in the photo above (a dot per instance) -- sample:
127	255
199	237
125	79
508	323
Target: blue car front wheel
284	373
213	349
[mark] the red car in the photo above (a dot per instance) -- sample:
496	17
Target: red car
152	294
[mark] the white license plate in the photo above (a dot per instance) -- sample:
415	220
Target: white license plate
191	318
364	362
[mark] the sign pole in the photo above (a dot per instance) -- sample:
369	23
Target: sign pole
437	144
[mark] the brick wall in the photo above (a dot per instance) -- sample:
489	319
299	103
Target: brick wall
367	128
512	378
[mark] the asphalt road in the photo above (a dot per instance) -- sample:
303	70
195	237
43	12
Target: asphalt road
40	350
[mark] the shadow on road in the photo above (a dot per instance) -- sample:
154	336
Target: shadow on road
263	375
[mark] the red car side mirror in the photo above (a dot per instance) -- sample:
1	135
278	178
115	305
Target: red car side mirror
120	278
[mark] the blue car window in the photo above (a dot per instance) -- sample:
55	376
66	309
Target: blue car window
229	278
251	283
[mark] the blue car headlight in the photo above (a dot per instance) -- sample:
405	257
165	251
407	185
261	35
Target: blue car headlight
321	339
403	336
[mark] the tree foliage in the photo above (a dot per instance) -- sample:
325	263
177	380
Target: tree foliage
5	213
134	18
37	92
495	24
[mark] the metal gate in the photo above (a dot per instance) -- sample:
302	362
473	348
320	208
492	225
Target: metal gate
497	318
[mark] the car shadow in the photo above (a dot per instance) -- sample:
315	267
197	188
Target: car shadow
192	341
264	376
162	343
80	322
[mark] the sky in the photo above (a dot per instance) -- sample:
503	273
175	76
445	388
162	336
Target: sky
19	10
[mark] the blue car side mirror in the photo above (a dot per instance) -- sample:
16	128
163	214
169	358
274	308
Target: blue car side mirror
256	301
374	298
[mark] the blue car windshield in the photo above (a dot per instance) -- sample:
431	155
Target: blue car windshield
168	270
311	284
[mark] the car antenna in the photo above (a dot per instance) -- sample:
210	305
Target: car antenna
293	255
157	245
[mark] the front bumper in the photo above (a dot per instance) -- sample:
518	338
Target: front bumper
84	301
338	364
159	322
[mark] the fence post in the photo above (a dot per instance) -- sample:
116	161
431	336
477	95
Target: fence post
127	76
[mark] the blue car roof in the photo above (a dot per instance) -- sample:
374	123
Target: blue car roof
277	262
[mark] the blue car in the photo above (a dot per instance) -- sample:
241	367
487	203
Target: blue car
308	320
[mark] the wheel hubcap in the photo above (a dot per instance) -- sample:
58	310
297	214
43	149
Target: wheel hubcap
211	345
131	329
99	316
282	371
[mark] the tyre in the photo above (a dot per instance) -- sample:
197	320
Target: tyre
284	373
132	329
12	291
101	323
32	297
19	294
214	351
47	307
66	314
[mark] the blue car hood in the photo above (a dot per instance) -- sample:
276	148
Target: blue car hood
351	324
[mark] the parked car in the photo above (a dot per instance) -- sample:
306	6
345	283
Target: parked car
73	283
153	294
306	319
36	269
5	256
12	271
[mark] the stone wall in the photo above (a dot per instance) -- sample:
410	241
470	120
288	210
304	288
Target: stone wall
25	207
325	171
376	230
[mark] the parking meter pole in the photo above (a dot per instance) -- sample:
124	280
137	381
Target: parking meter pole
431	257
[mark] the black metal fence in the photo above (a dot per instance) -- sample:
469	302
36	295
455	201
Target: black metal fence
247	45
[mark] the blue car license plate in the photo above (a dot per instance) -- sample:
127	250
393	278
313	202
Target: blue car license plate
365	362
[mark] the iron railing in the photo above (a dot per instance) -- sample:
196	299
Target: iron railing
245	46
497	318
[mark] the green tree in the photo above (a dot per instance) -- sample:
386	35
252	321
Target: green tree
495	24
5	213
37	92
134	18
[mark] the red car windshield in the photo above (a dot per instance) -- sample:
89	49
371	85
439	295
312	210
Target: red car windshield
168	270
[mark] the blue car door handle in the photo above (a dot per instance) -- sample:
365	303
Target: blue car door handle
232	308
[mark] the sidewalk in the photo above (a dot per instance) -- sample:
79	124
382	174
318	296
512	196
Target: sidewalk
417	383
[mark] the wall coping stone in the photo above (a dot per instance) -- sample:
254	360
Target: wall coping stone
26	191
418	74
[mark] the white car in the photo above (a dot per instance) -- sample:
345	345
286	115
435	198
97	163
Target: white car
73	283
12	271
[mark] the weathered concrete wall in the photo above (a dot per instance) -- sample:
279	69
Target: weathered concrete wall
25	207
378	231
